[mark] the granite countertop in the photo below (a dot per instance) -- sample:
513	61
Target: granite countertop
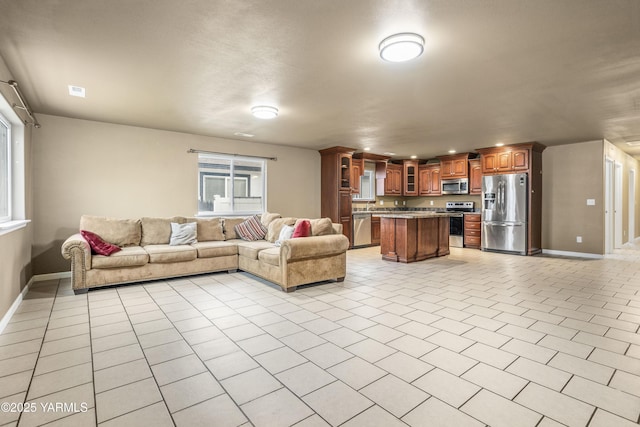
418	214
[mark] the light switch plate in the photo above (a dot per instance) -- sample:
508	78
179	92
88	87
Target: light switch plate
591	202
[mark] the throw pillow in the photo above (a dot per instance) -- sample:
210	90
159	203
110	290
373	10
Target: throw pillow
275	227
98	245
303	229
251	229
208	229
285	234
321	227
183	234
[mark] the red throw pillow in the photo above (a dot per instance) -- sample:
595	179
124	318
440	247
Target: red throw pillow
303	229
98	245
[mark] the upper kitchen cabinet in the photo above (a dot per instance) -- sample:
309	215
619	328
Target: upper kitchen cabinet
392	183
454	166
507	159
336	186
410	178
475	176
429	179
357	170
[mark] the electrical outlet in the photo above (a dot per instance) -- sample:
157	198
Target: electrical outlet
381	202
395	202
591	202
578	239
431	202
404	203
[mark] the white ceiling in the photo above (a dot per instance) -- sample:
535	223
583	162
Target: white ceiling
493	71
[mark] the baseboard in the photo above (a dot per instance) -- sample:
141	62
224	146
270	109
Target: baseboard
52	276
572	254
7	316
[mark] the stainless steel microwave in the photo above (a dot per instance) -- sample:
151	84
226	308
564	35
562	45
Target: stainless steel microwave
455	186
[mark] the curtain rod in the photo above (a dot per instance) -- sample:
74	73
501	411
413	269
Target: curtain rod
25	106
191	150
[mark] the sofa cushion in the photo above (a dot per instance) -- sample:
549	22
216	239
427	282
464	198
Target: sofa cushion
183	234
168	253
130	256
319	226
251	229
270	256
97	245
157	231
209	229
267	217
229	226
215	249
302	229
251	249
120	232
275	227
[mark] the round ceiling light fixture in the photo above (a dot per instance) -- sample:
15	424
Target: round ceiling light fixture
401	47
264	112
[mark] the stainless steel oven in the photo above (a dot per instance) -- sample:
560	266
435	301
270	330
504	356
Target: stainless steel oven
456	222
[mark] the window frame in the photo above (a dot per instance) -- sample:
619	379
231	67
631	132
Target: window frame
230	179
6	143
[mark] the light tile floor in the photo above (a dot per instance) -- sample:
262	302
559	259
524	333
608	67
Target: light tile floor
470	339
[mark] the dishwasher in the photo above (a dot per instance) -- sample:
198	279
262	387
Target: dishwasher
361	229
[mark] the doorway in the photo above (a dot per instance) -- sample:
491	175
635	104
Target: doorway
632	205
617	200
608	206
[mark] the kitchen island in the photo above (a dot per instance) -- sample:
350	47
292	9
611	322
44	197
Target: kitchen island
411	237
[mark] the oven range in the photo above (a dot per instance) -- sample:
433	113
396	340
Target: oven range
456	222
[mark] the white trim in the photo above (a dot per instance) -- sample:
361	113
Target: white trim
7	317
572	254
9	226
52	276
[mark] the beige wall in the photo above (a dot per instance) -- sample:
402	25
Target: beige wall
15	246
85	167
572	174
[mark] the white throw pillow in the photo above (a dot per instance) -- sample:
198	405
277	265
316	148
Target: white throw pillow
183	234
285	234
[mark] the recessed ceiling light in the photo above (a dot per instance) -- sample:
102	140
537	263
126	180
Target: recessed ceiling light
264	112
401	47
452	151
499	144
246	135
367	148
414	157
388	153
77	91
633	143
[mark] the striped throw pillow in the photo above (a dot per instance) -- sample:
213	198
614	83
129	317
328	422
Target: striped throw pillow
251	229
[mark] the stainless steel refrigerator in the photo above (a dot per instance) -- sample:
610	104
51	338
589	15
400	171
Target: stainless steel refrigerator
504	213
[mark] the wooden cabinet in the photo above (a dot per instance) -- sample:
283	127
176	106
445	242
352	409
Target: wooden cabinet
336	186
393	181
472	230
504	160
357	170
410	178
454	166
375	231
414	239
429	180
475	176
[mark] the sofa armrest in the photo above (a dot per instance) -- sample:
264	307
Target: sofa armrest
314	247
77	249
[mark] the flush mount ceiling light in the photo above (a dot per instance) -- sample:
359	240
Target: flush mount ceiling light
452	151
264	112
401	47
78	91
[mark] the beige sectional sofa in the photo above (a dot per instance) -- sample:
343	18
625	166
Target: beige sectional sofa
147	255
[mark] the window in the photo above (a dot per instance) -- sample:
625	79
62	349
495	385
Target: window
5	170
230	185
